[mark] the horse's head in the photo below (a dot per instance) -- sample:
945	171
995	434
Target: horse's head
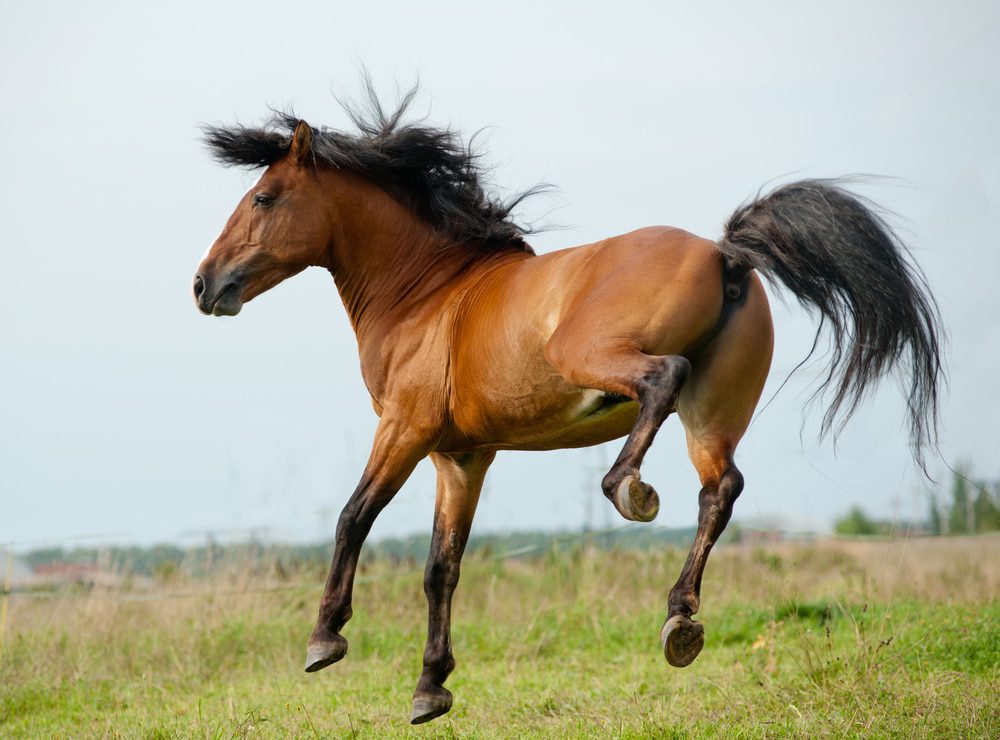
279	228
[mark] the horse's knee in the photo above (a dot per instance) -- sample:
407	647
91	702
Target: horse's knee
444	561
440	577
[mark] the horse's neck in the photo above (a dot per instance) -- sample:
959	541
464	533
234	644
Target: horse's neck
388	263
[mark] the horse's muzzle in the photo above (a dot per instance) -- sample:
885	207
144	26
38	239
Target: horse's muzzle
217	297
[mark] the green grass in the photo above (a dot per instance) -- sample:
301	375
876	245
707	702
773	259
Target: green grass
845	639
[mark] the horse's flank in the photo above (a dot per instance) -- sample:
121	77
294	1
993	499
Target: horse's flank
505	392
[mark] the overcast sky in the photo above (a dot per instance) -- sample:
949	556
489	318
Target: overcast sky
126	414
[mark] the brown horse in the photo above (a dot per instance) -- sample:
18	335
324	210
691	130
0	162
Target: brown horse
470	343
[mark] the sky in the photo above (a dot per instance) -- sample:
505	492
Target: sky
126	416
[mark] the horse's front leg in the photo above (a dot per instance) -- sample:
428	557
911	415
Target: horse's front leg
396	450
460	479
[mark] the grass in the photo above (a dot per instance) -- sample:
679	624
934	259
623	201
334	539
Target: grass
830	640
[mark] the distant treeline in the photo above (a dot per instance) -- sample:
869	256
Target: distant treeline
164	560
971	506
965	506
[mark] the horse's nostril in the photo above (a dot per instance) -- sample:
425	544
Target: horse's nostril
199	286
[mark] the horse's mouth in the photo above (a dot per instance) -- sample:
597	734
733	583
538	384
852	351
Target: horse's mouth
228	302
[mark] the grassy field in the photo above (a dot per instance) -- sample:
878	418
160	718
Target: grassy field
834	639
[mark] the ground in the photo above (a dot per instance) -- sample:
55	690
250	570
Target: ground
843	638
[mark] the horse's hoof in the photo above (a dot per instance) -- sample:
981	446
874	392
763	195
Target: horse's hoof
428	704
636	500
321	653
682	640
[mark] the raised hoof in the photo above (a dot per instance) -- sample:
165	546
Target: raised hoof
682	640
635	500
321	653
430	704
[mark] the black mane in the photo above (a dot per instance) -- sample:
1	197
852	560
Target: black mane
432	169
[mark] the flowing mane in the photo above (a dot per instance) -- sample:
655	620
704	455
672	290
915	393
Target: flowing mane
430	169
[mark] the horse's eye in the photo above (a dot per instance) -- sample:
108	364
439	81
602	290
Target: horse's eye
263	199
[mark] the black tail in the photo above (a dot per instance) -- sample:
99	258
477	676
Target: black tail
837	255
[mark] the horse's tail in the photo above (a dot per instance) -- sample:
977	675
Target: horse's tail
838	256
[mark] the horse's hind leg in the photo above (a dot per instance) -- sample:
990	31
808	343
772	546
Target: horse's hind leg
716	407
681	637
655	381
460	479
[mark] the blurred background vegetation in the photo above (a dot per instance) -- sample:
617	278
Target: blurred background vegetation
961	505
965	505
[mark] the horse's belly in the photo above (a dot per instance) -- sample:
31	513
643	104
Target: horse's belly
592	429
579	418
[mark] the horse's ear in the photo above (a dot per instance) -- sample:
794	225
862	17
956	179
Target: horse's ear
301	143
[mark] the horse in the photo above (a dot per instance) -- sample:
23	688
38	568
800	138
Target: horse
470	343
